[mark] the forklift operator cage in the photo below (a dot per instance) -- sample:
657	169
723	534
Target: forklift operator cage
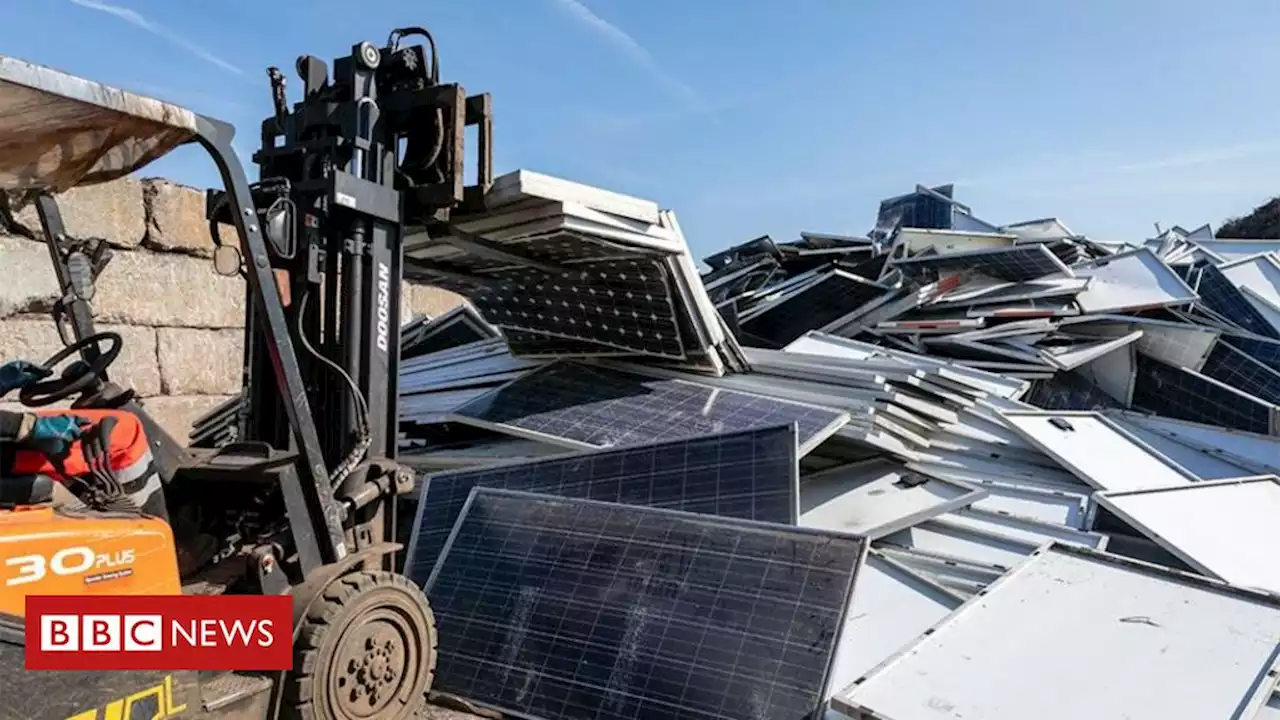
58	131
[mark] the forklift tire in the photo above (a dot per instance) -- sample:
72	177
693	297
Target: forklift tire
366	650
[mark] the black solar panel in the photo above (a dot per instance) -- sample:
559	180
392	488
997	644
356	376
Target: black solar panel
1068	391
828	300
1266	352
594	406
625	304
1182	394
567	608
1219	295
527	344
1228	365
1014	264
750	475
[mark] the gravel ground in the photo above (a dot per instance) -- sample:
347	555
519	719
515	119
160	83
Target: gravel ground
435	712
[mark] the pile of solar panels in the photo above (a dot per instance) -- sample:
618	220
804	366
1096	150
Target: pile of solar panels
567	269
964	470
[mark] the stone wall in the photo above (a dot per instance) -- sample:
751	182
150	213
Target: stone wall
180	321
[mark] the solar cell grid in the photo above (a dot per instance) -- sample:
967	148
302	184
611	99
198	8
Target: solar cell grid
1014	264
593	406
1179	393
834	297
625	304
1230	366
568	608
1266	352
1220	296
751	475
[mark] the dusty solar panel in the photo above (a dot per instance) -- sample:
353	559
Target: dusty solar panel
624	304
589	406
1014	264
1068	391
750	475
816	306
567	608
1187	395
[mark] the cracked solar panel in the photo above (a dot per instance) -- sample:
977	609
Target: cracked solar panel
750	475
568	608
1014	264
1068	391
589	406
624	304
1186	395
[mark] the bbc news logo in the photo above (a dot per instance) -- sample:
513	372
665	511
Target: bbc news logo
159	632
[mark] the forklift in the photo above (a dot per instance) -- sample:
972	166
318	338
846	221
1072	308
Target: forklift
304	502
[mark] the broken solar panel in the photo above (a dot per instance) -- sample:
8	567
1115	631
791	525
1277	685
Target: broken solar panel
1187	395
750	475
1228	365
1013	264
568	608
457	327
816	306
589	406
624	304
1219	295
1068	391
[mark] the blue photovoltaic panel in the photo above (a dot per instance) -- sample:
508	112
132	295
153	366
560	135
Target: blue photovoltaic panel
1221	296
1185	395
750	475
567	608
593	406
1228	365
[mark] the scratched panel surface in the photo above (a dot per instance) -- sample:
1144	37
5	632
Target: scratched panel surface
567	608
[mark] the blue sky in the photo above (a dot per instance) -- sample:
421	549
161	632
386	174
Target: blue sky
752	117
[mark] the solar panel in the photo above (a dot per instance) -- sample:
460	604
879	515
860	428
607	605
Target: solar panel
590	406
1219	295
1186	395
1228	365
750	475
1014	264
1266	352
824	302
625	304
530	344
1068	391
568	608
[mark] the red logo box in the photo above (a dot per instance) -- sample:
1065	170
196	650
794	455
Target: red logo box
159	632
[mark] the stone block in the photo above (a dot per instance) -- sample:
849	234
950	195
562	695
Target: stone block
176	413
36	340
200	362
417	299
114	211
150	288
176	221
29	282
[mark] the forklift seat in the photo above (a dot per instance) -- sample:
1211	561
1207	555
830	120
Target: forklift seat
128	456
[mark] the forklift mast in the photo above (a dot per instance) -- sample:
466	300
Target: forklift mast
373	147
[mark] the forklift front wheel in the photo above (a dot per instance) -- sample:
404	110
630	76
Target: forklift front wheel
367	649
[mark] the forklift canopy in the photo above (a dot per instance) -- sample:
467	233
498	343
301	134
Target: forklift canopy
58	131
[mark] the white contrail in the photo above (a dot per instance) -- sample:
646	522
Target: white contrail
137	20
628	45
